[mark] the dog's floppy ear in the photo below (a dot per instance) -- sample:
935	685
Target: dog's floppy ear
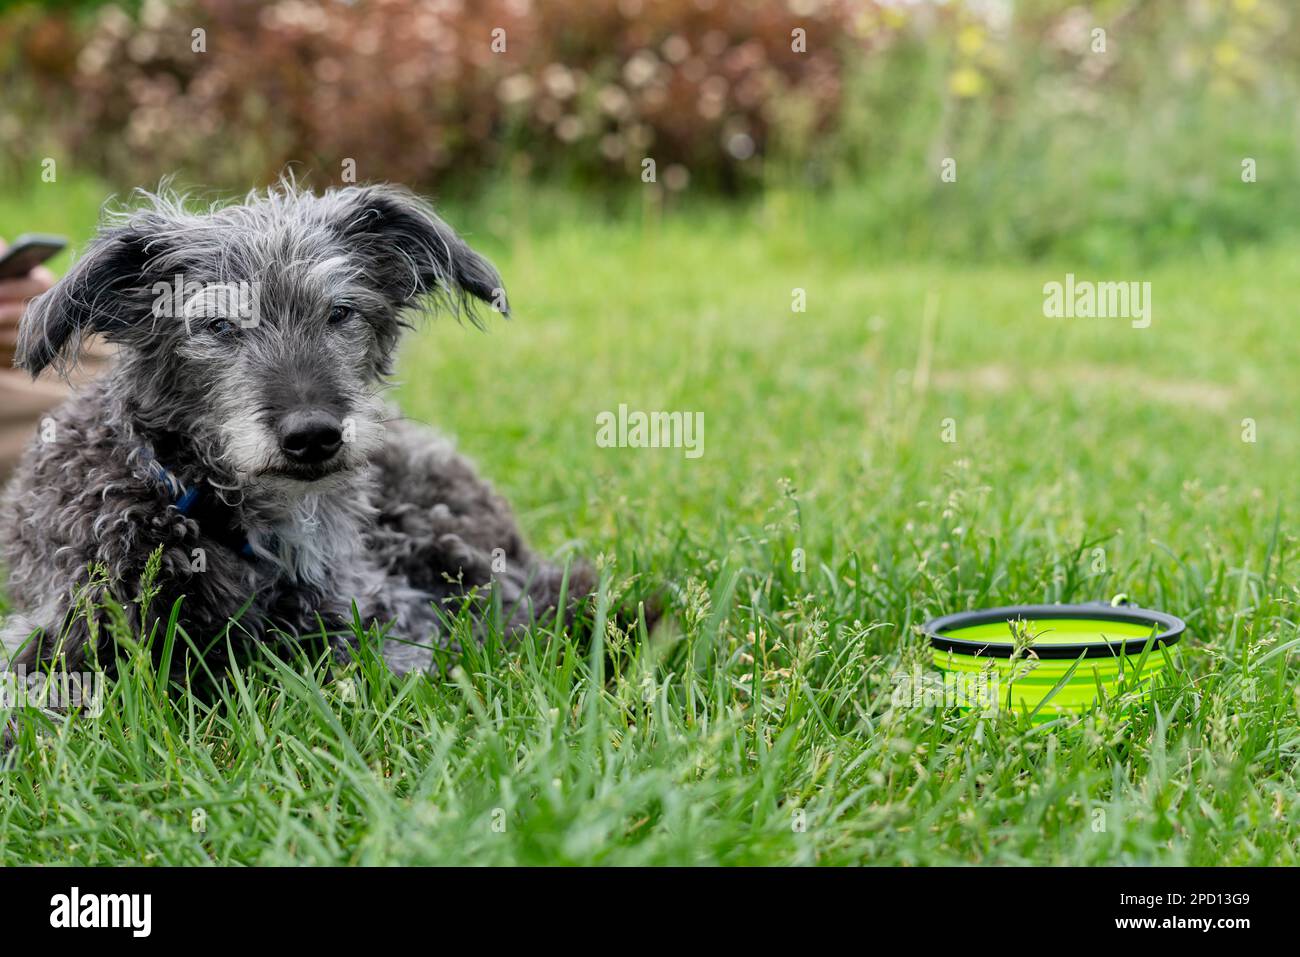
414	253
105	290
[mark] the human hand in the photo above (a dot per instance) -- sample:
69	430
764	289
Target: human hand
14	294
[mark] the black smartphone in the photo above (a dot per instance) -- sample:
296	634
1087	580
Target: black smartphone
28	251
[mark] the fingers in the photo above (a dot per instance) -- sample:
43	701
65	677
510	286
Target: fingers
9	316
14	296
20	290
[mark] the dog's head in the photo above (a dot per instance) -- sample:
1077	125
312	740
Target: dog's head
261	332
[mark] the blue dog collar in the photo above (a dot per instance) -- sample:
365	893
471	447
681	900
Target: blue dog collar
188	499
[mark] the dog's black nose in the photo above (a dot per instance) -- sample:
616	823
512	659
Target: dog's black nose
310	437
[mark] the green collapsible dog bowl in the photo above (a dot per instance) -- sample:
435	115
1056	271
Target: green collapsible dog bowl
1077	654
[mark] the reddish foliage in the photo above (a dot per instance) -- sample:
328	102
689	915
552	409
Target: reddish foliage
412	91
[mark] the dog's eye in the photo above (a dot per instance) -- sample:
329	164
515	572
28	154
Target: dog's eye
221	326
341	314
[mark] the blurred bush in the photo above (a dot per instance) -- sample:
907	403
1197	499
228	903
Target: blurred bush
1104	131
1063	140
410	91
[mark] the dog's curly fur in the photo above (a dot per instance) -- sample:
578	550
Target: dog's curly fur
397	521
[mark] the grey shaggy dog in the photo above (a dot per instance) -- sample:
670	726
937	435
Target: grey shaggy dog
259	455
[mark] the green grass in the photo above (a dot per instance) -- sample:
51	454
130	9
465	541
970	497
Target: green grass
756	726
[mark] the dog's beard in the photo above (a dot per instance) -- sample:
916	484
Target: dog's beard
251	453
312	535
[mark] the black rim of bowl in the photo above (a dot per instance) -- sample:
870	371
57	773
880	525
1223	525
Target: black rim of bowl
1171	630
